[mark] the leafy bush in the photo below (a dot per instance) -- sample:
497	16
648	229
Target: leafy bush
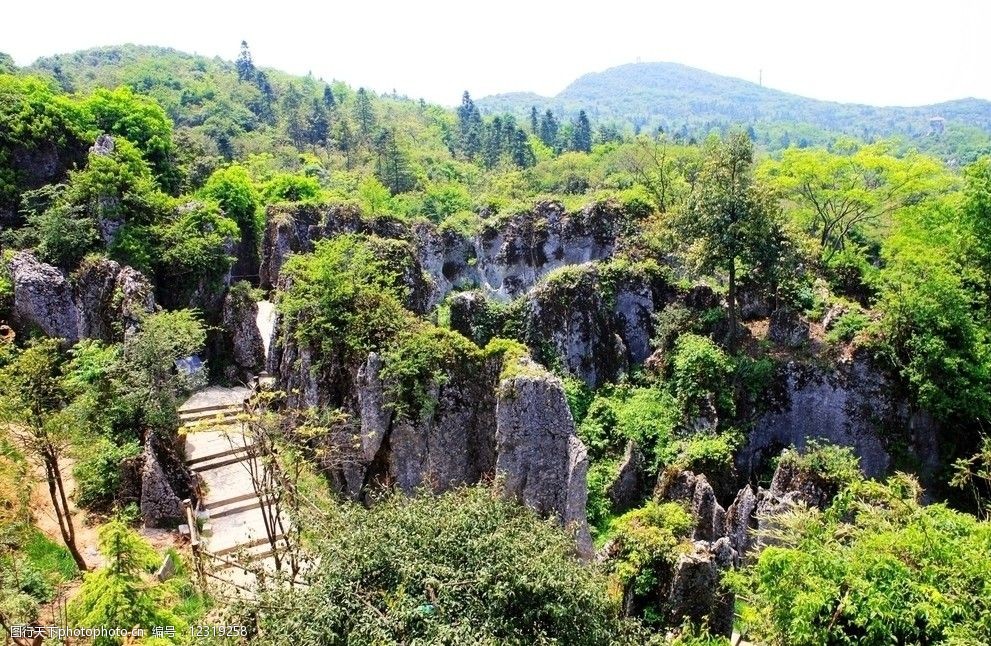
847	326
647	544
711	454
647	416
35	115
829	462
286	187
194	246
444	200
142	122
876	567
463	567
700	375
419	359
232	189
6	284
343	298
98	474
51	559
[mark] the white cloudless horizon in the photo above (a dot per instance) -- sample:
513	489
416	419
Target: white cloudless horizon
878	53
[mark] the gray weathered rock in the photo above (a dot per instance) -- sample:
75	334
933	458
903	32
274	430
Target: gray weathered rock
161	505
102	300
788	328
43	297
629	488
166	569
103	146
449	443
569	317
504	261
240	323
849	405
833	315
541	460
696	593
741	521
695	492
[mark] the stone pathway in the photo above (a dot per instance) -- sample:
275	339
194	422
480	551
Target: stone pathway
231	512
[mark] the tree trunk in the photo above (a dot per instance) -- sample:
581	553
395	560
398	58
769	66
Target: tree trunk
731	305
56	489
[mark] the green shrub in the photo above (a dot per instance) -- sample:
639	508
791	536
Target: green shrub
464	223
286	187
754	376
98	474
876	567
648	416
648	542
117	595
232	189
847	326
637	202
466	567
6	284
51	559
579	397
344	299
193	247
701	373
711	454
419	359
442	201
830	462
601	474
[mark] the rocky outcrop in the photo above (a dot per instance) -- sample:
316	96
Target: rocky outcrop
567	322
508	257
294	229
43	297
696	494
538	455
787	328
593	325
472	428
240	322
696	591
449	443
102	300
629	488
741	521
849	405
165	483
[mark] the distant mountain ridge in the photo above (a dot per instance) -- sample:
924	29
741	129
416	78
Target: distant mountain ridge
671	95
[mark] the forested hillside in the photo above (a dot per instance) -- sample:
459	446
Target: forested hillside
689	103
286	361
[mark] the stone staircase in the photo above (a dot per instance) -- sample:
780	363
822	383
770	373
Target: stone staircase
231	513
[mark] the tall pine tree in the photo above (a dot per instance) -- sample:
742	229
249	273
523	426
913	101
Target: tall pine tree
469	127
318	124
581	136
548	130
364	115
328	98
245	67
392	165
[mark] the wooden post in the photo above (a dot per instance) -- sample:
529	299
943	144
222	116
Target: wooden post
194	542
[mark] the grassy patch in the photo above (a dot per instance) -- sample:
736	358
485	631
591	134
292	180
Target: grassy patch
49	558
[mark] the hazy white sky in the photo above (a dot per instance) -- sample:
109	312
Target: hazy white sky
882	52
